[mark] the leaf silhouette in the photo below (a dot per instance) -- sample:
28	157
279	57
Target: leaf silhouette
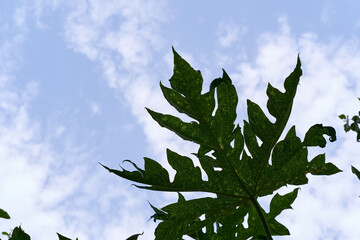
241	165
354	126
135	236
4	214
61	237
19	234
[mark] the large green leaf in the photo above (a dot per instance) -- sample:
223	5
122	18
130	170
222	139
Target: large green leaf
240	165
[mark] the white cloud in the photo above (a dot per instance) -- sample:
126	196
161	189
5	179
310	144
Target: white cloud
328	12
59	130
228	33
20	17
125	52
127	30
45	189
123	36
94	107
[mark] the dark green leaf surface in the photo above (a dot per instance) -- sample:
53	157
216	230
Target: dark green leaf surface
315	135
355	171
240	165
4	214
354	126
61	237
19	234
134	237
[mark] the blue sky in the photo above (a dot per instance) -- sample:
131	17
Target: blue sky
76	76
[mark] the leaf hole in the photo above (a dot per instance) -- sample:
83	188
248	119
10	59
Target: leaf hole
216	104
218	169
245	153
246	223
215	226
232	143
259	141
204	176
270	159
210	154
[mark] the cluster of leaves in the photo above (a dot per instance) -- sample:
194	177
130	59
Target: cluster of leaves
16	234
354	126
241	164
19	234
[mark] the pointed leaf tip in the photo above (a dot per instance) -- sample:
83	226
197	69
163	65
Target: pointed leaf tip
355	171
135	236
19	233
174	51
4	214
61	237
298	63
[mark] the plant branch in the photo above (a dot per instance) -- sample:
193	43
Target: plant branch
262	218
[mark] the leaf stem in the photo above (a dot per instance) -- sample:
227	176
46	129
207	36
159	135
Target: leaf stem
262	218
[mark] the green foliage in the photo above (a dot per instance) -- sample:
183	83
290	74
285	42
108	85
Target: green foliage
355	171
6	234
354	126
18	234
241	164
61	237
135	236
4	214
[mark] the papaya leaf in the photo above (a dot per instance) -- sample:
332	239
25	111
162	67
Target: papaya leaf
315	135
19	234
355	171
4	214
135	236
240	164
61	237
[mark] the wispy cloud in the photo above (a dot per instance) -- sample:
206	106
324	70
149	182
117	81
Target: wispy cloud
228	33
124	37
94	107
45	188
125	51
24	157
328	13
